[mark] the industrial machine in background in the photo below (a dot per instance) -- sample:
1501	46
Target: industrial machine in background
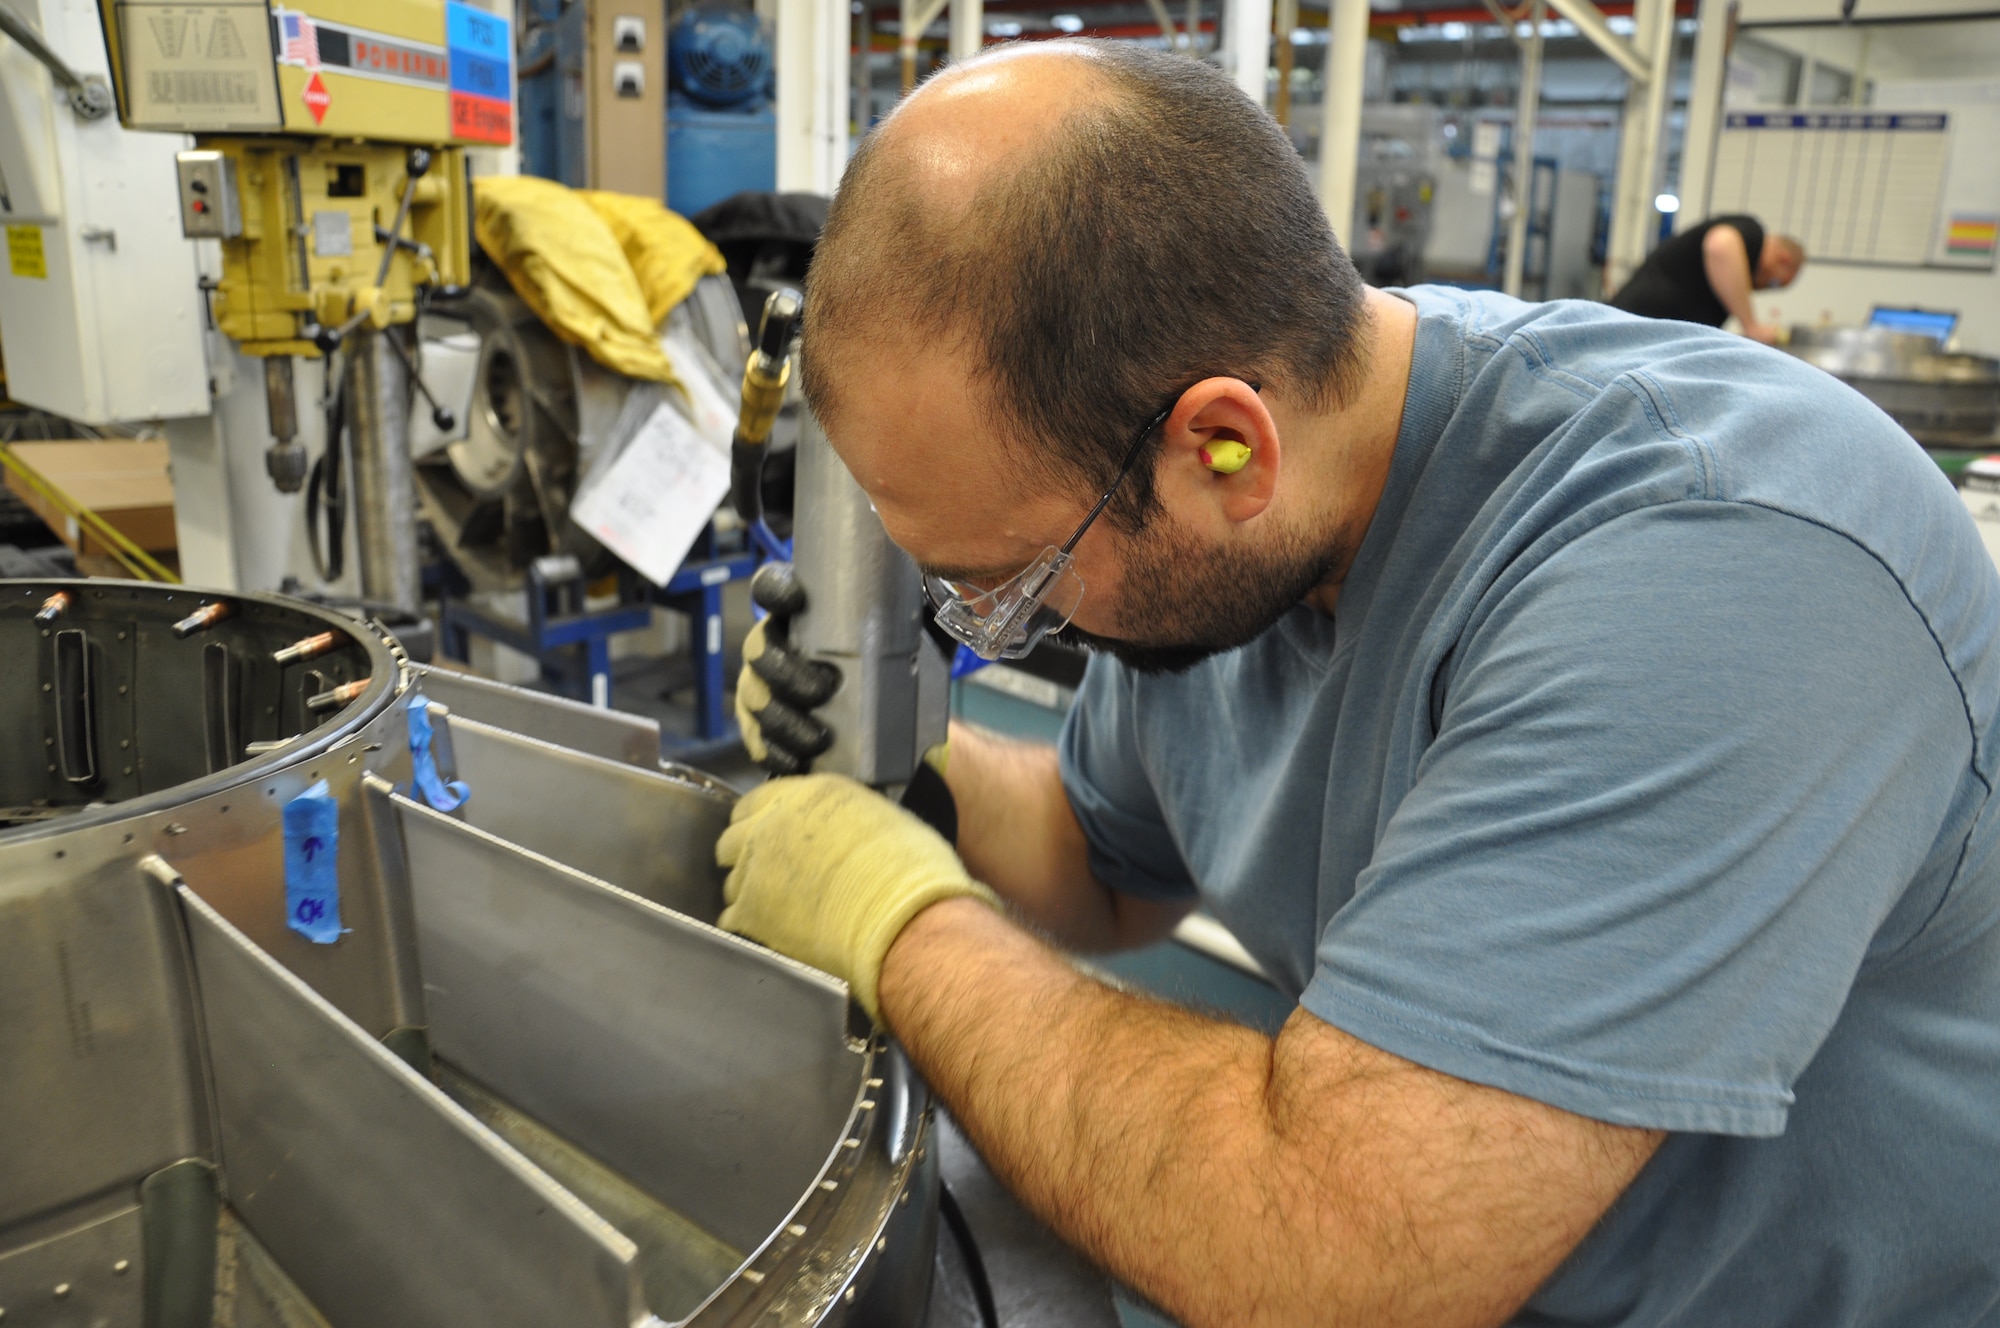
593	87
1392	221
301	312
329	168
541	412
609	101
94	250
1434	193
543	417
722	126
1944	399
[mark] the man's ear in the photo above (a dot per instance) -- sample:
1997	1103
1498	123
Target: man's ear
1220	452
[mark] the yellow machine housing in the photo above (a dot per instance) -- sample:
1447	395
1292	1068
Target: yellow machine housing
303	119
312	216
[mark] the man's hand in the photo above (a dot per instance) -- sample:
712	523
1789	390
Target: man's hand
777	689
1764	332
828	872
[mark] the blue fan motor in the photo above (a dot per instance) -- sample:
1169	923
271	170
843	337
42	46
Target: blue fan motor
719	57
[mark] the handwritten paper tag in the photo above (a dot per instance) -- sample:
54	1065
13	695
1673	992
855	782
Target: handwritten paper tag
656	497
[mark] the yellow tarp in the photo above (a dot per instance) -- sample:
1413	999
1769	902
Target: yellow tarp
597	268
667	253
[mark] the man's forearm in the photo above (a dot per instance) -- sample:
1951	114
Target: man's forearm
1016	833
1234	1179
1726	261
1109	1114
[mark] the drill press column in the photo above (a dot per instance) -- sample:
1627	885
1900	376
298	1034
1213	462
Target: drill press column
384	488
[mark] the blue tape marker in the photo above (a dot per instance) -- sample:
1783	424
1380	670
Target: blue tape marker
966	661
312	878
442	794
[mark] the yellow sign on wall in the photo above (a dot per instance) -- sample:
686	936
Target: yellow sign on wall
24	252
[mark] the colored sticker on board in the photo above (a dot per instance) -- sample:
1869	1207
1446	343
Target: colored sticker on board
25	257
312	875
316	97
1976	234
481	50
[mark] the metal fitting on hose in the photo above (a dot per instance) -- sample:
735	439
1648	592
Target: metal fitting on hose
765	378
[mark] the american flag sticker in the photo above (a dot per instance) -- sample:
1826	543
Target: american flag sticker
301	44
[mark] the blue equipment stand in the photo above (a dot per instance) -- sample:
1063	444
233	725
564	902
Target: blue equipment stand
572	643
696	590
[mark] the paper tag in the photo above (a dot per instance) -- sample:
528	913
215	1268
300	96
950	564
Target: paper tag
707	390
312	877
656	497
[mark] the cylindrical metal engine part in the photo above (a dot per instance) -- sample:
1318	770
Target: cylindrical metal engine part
864	614
385	494
1941	398
523	1080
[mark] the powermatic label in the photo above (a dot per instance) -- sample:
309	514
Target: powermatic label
481	50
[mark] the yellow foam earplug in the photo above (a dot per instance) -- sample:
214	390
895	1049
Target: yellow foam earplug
1225	456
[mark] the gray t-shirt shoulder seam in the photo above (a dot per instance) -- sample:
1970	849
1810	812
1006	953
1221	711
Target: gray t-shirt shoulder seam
1973	735
1658	404
1930	627
1653	398
1665	1102
1557	543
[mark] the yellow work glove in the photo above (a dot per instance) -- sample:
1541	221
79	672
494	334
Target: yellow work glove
830	872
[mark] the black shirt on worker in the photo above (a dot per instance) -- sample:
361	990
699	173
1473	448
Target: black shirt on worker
1673	282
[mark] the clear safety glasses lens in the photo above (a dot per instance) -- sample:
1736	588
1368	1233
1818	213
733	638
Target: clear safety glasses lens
1009	620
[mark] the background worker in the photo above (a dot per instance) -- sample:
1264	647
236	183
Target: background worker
1591	721
1706	275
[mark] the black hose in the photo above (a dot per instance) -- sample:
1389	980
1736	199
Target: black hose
975	1267
324	488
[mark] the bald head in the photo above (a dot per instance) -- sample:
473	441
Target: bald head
950	136
1094	227
1779	263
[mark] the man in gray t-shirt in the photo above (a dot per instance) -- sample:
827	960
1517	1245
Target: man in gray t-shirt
1590	720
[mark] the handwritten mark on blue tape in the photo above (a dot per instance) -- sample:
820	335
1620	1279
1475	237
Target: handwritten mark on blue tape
442	794
312	877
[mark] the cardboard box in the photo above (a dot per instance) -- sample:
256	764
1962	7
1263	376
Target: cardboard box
124	482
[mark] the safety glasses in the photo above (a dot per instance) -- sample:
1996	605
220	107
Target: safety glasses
1010	620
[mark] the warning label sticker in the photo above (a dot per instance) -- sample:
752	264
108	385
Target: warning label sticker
316	97
197	67
24	252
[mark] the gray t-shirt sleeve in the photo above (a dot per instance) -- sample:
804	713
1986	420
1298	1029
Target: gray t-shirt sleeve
1131	849
1683	770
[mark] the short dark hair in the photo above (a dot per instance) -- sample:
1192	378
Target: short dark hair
1169	232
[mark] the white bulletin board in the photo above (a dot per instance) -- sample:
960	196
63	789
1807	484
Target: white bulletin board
1863	186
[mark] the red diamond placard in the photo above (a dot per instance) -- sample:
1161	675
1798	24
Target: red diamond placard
316	98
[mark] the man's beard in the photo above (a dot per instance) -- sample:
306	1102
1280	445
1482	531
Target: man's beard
1186	602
